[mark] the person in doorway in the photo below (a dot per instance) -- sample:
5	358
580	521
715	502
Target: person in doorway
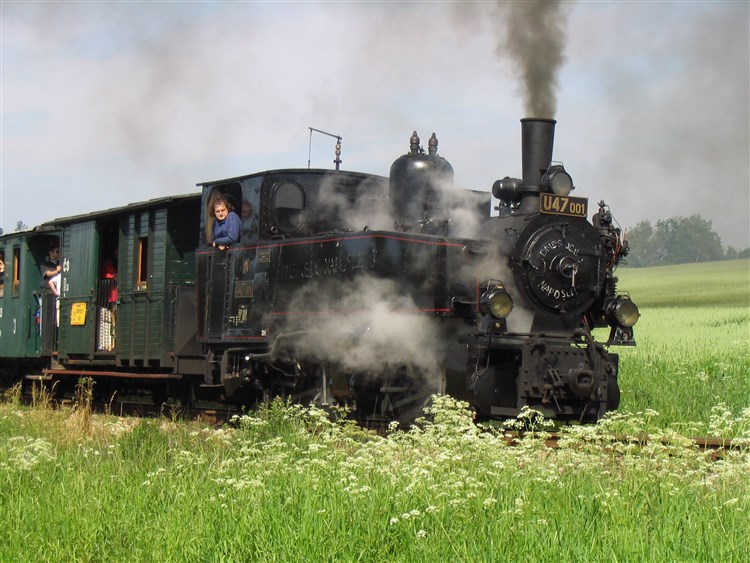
109	272
52	271
227	226
108	303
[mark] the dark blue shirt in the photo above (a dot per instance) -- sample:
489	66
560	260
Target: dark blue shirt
227	232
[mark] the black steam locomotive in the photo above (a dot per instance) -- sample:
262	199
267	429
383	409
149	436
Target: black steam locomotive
342	287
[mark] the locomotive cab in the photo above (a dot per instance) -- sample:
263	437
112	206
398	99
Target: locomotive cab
292	221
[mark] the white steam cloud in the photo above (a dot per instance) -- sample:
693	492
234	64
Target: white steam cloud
367	207
360	320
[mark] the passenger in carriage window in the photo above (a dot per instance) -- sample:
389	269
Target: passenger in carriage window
2	273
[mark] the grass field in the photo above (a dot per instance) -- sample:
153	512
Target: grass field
286	484
721	284
693	351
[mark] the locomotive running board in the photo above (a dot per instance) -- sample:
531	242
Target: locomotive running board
125	374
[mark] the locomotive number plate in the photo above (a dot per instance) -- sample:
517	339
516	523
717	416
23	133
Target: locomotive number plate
564	205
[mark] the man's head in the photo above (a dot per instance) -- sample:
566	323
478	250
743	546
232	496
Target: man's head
222	207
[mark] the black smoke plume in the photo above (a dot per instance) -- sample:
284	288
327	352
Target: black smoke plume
534	40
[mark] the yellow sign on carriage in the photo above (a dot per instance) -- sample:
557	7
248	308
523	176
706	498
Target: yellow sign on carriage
78	314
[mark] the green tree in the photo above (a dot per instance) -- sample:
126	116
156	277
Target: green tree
641	242
696	241
674	241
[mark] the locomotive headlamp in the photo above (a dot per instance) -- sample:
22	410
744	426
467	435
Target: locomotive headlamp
496	302
557	181
624	312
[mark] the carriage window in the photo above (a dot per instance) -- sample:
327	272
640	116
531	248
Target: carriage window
16	271
142	263
288	206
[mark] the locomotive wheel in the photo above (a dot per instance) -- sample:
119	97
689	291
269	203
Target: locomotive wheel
613	394
400	395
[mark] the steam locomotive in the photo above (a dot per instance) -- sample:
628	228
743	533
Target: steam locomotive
343	287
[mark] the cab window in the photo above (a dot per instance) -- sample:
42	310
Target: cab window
250	210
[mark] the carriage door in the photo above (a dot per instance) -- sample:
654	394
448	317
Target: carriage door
107	292
241	314
78	311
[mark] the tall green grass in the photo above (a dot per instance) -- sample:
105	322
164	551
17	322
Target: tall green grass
288	485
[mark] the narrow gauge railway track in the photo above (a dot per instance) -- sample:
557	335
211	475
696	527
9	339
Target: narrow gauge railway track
221	414
131	404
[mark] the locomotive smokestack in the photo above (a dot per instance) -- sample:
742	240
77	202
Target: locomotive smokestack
537	140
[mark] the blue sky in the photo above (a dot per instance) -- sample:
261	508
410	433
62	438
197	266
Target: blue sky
107	103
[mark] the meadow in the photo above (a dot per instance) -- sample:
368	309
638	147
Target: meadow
289	484
692	358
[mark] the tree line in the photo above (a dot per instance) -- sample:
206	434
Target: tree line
678	240
20	226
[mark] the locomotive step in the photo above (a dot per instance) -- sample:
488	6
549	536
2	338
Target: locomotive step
38	377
